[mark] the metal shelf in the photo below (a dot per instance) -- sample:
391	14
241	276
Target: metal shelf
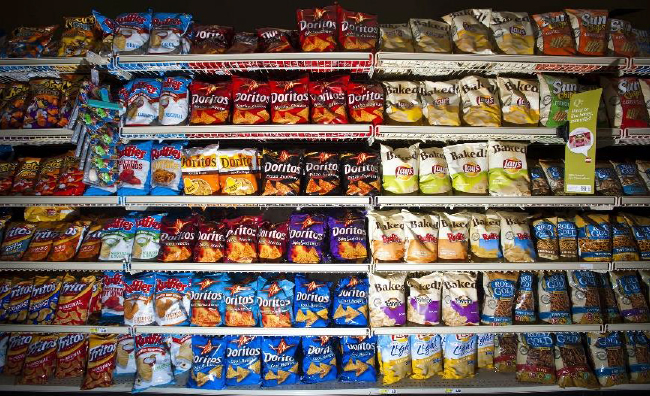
549	265
634	201
428	64
631	265
226	64
22	201
639	66
246	200
634	136
256	331
22	69
628	327
607	203
408	330
62	266
316	132
35	137
64	329
253	267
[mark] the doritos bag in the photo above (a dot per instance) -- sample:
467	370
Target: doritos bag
74	302
40	360
306	238
322	173
317	28
366	102
243	43
290	101
241	239
243	360
211	39
590	28
241	305
351	301
357	31
272	241
328	98
238	171
361	174
279	361
319	360
211	103
312	302
209	353
281	172
358	359
210	245
275	299
177	238
207	300
200	170
347	236
250	101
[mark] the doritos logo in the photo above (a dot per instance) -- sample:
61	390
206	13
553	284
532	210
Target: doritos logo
235	289
363	157
282	347
273	289
205	283
311	286
207	348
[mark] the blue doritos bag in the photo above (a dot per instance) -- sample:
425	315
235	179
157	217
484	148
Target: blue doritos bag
208	362
351	301
358	359
166	160
207	300
318	360
241	304
133	166
275	299
243	360
279	361
312	304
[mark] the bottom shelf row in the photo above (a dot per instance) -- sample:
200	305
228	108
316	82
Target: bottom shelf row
360	364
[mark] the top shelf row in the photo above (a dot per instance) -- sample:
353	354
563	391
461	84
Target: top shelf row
390	63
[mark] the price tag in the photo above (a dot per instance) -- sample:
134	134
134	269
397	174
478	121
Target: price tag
385	391
98	330
452	390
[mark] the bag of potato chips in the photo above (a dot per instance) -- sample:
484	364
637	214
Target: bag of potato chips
555	95
453	236
430	35
484	232
394	355
426	355
459	352
400	169
470	30
516	240
441	102
421	237
386	234
519	101
433	172
480	101
590	29
508	175
395	38
153	362
460	299
468	165
513	32
403	103
554	34
425	296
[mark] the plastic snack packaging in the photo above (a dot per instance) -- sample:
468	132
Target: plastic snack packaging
631	182
209	355
48	175
174	101
30	42
394	356
70	88
207	300
26	176
78	36
132	33
166	168
480	101
484	236
366	102
74	301
40	361
143	102
180	349
554	35
244	43
505	353
642	40
290	101
553	296
608	358
251	100
272	241
17	306
470	30
13	105
433	172
468	164
153	362
585	300
525	299
594	237
317	28
44	106
16	240
508	174
535	360
319	359
624	247
41	243
241	305
328	100
459	351
426	355
357	31
590	29
125	355
516	239
210	244
139	299
358	359
403	102
386	235
643	167
430	35
322	176
169	33
630	299
606	180
351	301
281	172
243	360
485	351
460	299
400	169
571	366
280	361
17	346
44	300
499	297
71	355
555	95
177	238
361	173
637	346
274	40
200	170
211	39
453	237
101	361
641	230
554	172
171	300
67	242
275	298
441	102
513	32
7	172
242	239
546	239
112	297
425	296
624	102
622	41
118	235
395	38
519	101
238	171
211	103
312	303
421	237
387	300
347	236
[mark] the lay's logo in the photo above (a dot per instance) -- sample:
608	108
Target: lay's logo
512	164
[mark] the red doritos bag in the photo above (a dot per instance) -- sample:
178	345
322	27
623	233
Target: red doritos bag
210	245
357	31
366	102
274	40
328	100
177	238
290	101
272	241
250	101
317	28
241	239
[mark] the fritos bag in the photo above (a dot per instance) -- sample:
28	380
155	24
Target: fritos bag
590	28
403	102
430	35
470	30
17	307
74	301
40	360
200	170
554	34
513	32
386	234
624	102
238	171
328	98
317	28
468	165
71	355
357	31
519	101
622	41
441	102
480	101
210	103
41	243
17	346
251	100
555	95
400	169
44	300
290	101
366	102
508	174
395	38
66	243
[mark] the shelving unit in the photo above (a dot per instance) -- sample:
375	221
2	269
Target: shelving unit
249	200
537	328
593	202
549	265
35	137
252	267
62	266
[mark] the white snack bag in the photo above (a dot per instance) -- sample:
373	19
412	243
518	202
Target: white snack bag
516	241
180	348
460	299
453	237
425	295
420	237
508	175
434	173
125	355
153	362
430	35
386	229
513	32
174	100
399	169
480	101
519	100
484	233
441	102
470	30
386	300
468	165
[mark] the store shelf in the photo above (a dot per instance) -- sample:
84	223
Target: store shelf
61	266
226	64
316	132
408	330
246	200
443	266
631	265
634	201
22	201
64	329
35	137
252	267
428	64
628	327
256	331
606	203
639	66
22	69
633	136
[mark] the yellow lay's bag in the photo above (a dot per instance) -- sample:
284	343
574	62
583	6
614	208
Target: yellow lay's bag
519	101
480	101
470	30
513	32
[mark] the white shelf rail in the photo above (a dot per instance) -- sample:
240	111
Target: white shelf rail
549	265
246	200
35	137
594	202
251	267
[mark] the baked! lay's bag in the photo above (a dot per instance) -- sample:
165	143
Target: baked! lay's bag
519	101
243	360
441	102
209	359
470	30
513	32
468	167
319	360
394	355
508	174
400	169
433	171
480	101
280	361
403	102
358	359
312	303
351	301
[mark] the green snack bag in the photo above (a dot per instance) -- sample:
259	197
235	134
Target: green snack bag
400	169
508	174
434	174
555	94
468	164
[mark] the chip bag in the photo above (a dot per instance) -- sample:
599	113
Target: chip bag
386	234
118	235
275	299
17	347
251	100
624	102
403	102
166	168
66	243
484	236
387	301
535	358
241	305
622	41
358	359
274	40
180	349
169	33
519	101
13	105
395	38
347	236
441	102
290	101
143	103
238	171
485	351
43	109
312	303
200	170
637	346
307	238
177	238
430	35
400	169
209	355
351	301
74	300
91	243
78	36
361	174
366	102
40	361
433	175
30	42
242	239
16	241
319	360
48	175
423	302
590	28
207	300
594	237
101	361
460	299
394	356
18	302
480	101
26	176
426	355
468	164
211	39
317	28
508	174
459	352
125	355
513	32
211	103
112	297
322	173
171	301
243	43
281	172
279	361
554	35
132	33
71	355
421	237
41	243
357	31
44	300
134	168
555	96
608	358
138	299
153	362
210	244
174	101
328	100
243	360
470	30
